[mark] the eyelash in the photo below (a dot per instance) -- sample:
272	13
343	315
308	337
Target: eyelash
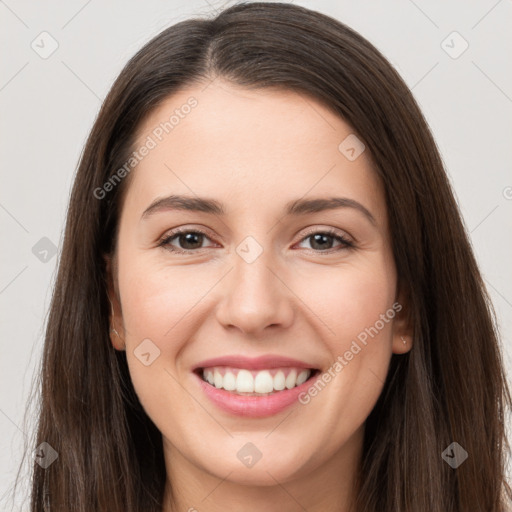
165	241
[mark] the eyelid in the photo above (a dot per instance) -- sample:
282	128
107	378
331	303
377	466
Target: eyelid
346	240
169	235
327	230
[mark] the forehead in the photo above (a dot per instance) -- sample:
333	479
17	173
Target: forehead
246	146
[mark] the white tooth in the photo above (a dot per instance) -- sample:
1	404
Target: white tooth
263	383
229	381
291	379
303	377
244	382
217	379
279	381
208	375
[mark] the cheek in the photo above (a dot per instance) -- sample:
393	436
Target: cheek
158	302
356	308
349	299
364	299
159	305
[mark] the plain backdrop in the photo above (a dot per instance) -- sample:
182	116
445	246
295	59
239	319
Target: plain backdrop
455	56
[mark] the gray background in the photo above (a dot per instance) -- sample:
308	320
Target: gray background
48	106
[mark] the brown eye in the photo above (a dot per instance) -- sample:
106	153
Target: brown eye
187	241
322	241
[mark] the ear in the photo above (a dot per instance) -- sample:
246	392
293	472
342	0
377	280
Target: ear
403	332
116	330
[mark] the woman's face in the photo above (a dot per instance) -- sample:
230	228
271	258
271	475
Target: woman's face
283	270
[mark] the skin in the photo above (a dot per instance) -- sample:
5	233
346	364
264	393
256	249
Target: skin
254	151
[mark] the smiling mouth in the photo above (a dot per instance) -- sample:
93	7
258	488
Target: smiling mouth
240	381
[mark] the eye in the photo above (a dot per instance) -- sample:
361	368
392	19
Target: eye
190	240
321	241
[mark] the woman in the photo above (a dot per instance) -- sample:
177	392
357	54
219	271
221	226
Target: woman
266	298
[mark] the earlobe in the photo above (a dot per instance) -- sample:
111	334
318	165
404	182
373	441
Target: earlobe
403	332
115	319
402	343
117	342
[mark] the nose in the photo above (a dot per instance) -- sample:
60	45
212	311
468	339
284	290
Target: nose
255	297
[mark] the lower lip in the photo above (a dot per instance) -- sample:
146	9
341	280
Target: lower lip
254	406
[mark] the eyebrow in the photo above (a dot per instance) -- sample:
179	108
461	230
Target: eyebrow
295	208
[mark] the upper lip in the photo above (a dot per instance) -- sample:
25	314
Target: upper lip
253	363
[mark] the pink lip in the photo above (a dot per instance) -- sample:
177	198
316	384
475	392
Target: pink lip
257	363
254	406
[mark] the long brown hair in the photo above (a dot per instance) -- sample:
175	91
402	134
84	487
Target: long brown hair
451	387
